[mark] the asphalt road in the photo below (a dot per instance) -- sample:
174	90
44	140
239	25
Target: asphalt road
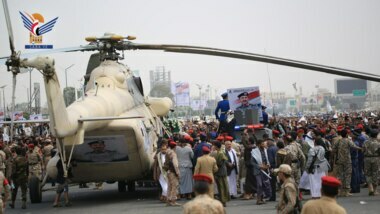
144	200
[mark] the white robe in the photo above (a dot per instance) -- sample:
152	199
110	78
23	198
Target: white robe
316	183
162	179
232	178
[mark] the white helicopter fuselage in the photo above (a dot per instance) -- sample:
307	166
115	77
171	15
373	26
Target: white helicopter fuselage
128	144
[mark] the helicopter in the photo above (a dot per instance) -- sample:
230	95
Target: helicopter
112	134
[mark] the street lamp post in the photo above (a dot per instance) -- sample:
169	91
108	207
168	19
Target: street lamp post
2	87
66	72
200	98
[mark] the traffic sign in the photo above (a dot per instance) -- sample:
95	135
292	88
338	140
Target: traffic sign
359	93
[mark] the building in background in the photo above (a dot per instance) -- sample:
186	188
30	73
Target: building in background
160	83
351	92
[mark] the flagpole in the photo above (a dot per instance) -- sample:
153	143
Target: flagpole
270	87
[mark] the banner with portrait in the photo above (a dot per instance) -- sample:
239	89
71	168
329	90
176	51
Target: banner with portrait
18	115
102	149
35	117
181	91
245	100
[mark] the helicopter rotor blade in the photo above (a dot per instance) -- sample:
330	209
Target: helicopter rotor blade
9	27
53	51
253	57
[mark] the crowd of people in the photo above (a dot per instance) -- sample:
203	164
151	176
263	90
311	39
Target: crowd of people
310	152
25	157
295	156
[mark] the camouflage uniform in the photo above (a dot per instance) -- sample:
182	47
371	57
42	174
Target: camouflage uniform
296	159
171	163
35	165
4	186
20	179
372	162
8	163
3	160
288	196
305	147
203	204
342	153
280	157
46	151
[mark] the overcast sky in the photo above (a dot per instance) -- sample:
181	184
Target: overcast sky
342	33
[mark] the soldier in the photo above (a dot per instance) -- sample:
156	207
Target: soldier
46	151
34	163
341	151
281	153
294	157
19	177
221	174
171	167
202	203
288	192
327	203
3	159
304	145
372	162
9	161
207	165
4	185
223	106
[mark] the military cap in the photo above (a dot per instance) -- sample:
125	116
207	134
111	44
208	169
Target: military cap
220	138
202	177
172	143
331	181
205	149
224	95
31	146
299	131
284	168
243	94
274	131
359	127
228	138
339	128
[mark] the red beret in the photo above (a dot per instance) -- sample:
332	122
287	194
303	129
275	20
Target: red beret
339	128
31	146
205	149
220	138
172	143
229	138
331	181
275	132
360	126
202	177
323	131
299	131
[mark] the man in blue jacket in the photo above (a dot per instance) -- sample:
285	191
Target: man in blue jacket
223	106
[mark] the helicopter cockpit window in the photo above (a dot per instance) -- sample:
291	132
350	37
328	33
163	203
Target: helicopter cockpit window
138	98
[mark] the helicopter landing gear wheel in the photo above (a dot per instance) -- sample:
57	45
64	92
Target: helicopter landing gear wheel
121	186
35	192
131	186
